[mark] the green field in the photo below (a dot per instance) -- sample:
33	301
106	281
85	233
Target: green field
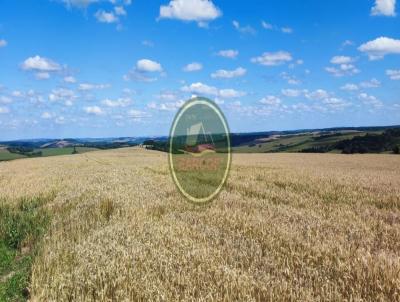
6	155
295	143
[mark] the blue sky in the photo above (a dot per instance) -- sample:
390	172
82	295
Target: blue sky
100	68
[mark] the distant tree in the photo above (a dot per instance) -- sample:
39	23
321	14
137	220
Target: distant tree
396	150
148	142
74	152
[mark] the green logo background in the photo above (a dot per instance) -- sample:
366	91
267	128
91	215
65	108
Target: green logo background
199	150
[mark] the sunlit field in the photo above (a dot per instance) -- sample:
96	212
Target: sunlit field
299	227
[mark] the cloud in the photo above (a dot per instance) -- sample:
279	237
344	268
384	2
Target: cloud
3	43
373	83
344	66
142	70
228	74
79	3
228	53
169	106
384	8
148	43
342	70
341	60
137	114
349	87
273	58
292	80
88	86
203	89
335	103
146	65
318	94
271	100
377	49
393	74
167	96
193	67
4	110
63	95
95	110
291	92
287	30
243	29
121	102
266	25
17	93
106	17
40	64
230	93
47	115
69	79
135	75
120	11
200	11
5	99
60	120
269	26
370	100
347	43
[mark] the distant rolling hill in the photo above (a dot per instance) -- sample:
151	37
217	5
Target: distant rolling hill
385	139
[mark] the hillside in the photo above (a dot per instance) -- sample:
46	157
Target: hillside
300	227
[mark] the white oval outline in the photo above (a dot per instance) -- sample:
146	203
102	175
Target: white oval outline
213	106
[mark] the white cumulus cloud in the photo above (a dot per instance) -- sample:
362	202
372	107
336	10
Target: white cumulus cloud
106	17
200	11
88	86
273	58
79	3
341	60
203	89
3	43
349	87
370	100
393	74
292	92
40	64
146	65
228	74
121	102
384	8
193	67
230	93
95	110
47	115
373	83
271	100
377	49
120	11
137	114
69	79
243	29
228	53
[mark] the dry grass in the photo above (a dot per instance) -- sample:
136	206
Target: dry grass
300	227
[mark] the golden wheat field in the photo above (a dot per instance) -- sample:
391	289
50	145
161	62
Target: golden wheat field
287	227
